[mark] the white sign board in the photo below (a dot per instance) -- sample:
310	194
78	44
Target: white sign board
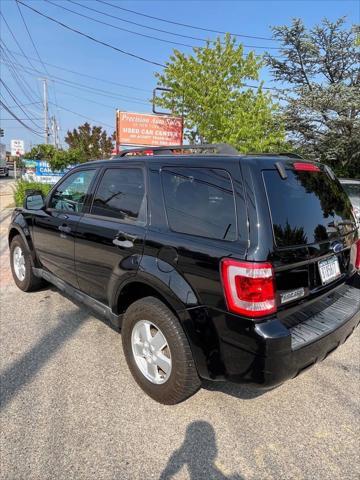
17	148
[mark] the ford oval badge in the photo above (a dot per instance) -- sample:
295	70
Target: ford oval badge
337	247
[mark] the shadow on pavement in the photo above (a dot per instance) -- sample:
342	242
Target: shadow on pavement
198	453
242	392
22	371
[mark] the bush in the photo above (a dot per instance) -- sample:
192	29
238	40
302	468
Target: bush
22	185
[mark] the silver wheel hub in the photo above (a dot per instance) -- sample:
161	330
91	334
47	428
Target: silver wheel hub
151	352
19	263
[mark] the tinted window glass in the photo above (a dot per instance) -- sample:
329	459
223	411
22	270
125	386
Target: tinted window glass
307	207
120	194
70	195
353	190
200	201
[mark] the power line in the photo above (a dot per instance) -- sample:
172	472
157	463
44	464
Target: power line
29	34
15	100
140	25
35	48
114	95
184	24
12	119
18	119
24	105
86	99
21	82
100	42
115	26
86	118
98	91
88	76
16	41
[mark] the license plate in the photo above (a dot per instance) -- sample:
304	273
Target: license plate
329	269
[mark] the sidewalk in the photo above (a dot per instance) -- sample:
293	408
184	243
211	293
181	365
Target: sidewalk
6	193
5	271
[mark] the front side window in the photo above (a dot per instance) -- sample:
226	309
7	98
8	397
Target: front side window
71	193
200	201
121	195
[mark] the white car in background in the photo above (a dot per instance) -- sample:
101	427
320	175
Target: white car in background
352	188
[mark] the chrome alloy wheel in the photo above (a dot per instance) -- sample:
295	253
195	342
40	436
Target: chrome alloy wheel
19	263
151	352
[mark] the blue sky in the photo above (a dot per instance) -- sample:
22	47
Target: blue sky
133	80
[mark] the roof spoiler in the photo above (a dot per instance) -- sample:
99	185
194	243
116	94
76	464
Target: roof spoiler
218	148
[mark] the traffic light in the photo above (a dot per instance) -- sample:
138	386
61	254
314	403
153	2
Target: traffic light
1	132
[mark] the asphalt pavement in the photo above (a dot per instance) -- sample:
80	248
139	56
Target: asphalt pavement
70	409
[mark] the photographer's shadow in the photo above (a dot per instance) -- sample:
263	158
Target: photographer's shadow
198	453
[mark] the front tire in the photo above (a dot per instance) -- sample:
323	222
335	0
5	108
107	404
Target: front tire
21	267
158	353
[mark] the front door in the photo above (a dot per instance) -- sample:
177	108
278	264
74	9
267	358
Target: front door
54	228
110	238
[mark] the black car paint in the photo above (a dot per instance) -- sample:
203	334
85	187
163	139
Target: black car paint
183	270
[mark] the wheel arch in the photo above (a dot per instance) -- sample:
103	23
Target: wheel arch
136	288
15	230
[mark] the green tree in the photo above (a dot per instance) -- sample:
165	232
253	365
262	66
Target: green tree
41	152
57	159
209	89
322	104
93	141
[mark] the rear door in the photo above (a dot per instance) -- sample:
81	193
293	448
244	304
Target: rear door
204	221
110	237
313	231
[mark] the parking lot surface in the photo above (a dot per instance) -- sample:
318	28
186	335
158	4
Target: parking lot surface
70	409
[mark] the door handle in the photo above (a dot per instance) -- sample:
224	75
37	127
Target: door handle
124	239
64	229
123	243
126	236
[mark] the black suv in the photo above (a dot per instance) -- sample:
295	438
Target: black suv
216	266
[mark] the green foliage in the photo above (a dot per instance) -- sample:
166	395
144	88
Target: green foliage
41	152
322	107
92	141
22	185
57	159
85	143
209	89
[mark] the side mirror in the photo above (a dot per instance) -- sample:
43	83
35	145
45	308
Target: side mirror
34	201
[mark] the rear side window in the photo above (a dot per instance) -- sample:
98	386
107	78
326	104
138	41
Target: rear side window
307	207
121	195
200	201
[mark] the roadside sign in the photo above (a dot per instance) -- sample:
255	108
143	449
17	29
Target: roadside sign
17	148
40	171
144	129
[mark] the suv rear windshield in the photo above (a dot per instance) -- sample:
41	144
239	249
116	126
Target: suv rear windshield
307	207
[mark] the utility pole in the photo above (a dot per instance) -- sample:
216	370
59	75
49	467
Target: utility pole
55	131
46	111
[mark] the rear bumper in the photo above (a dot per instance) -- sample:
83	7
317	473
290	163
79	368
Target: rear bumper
267	354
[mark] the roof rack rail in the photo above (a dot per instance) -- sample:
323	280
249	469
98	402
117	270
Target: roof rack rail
290	155
280	154
219	148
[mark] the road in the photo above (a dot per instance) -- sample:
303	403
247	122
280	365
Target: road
70	409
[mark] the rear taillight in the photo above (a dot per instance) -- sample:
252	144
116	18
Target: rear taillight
249	287
306	167
357	260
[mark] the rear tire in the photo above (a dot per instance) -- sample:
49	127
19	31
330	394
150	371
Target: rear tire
179	379
21	266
